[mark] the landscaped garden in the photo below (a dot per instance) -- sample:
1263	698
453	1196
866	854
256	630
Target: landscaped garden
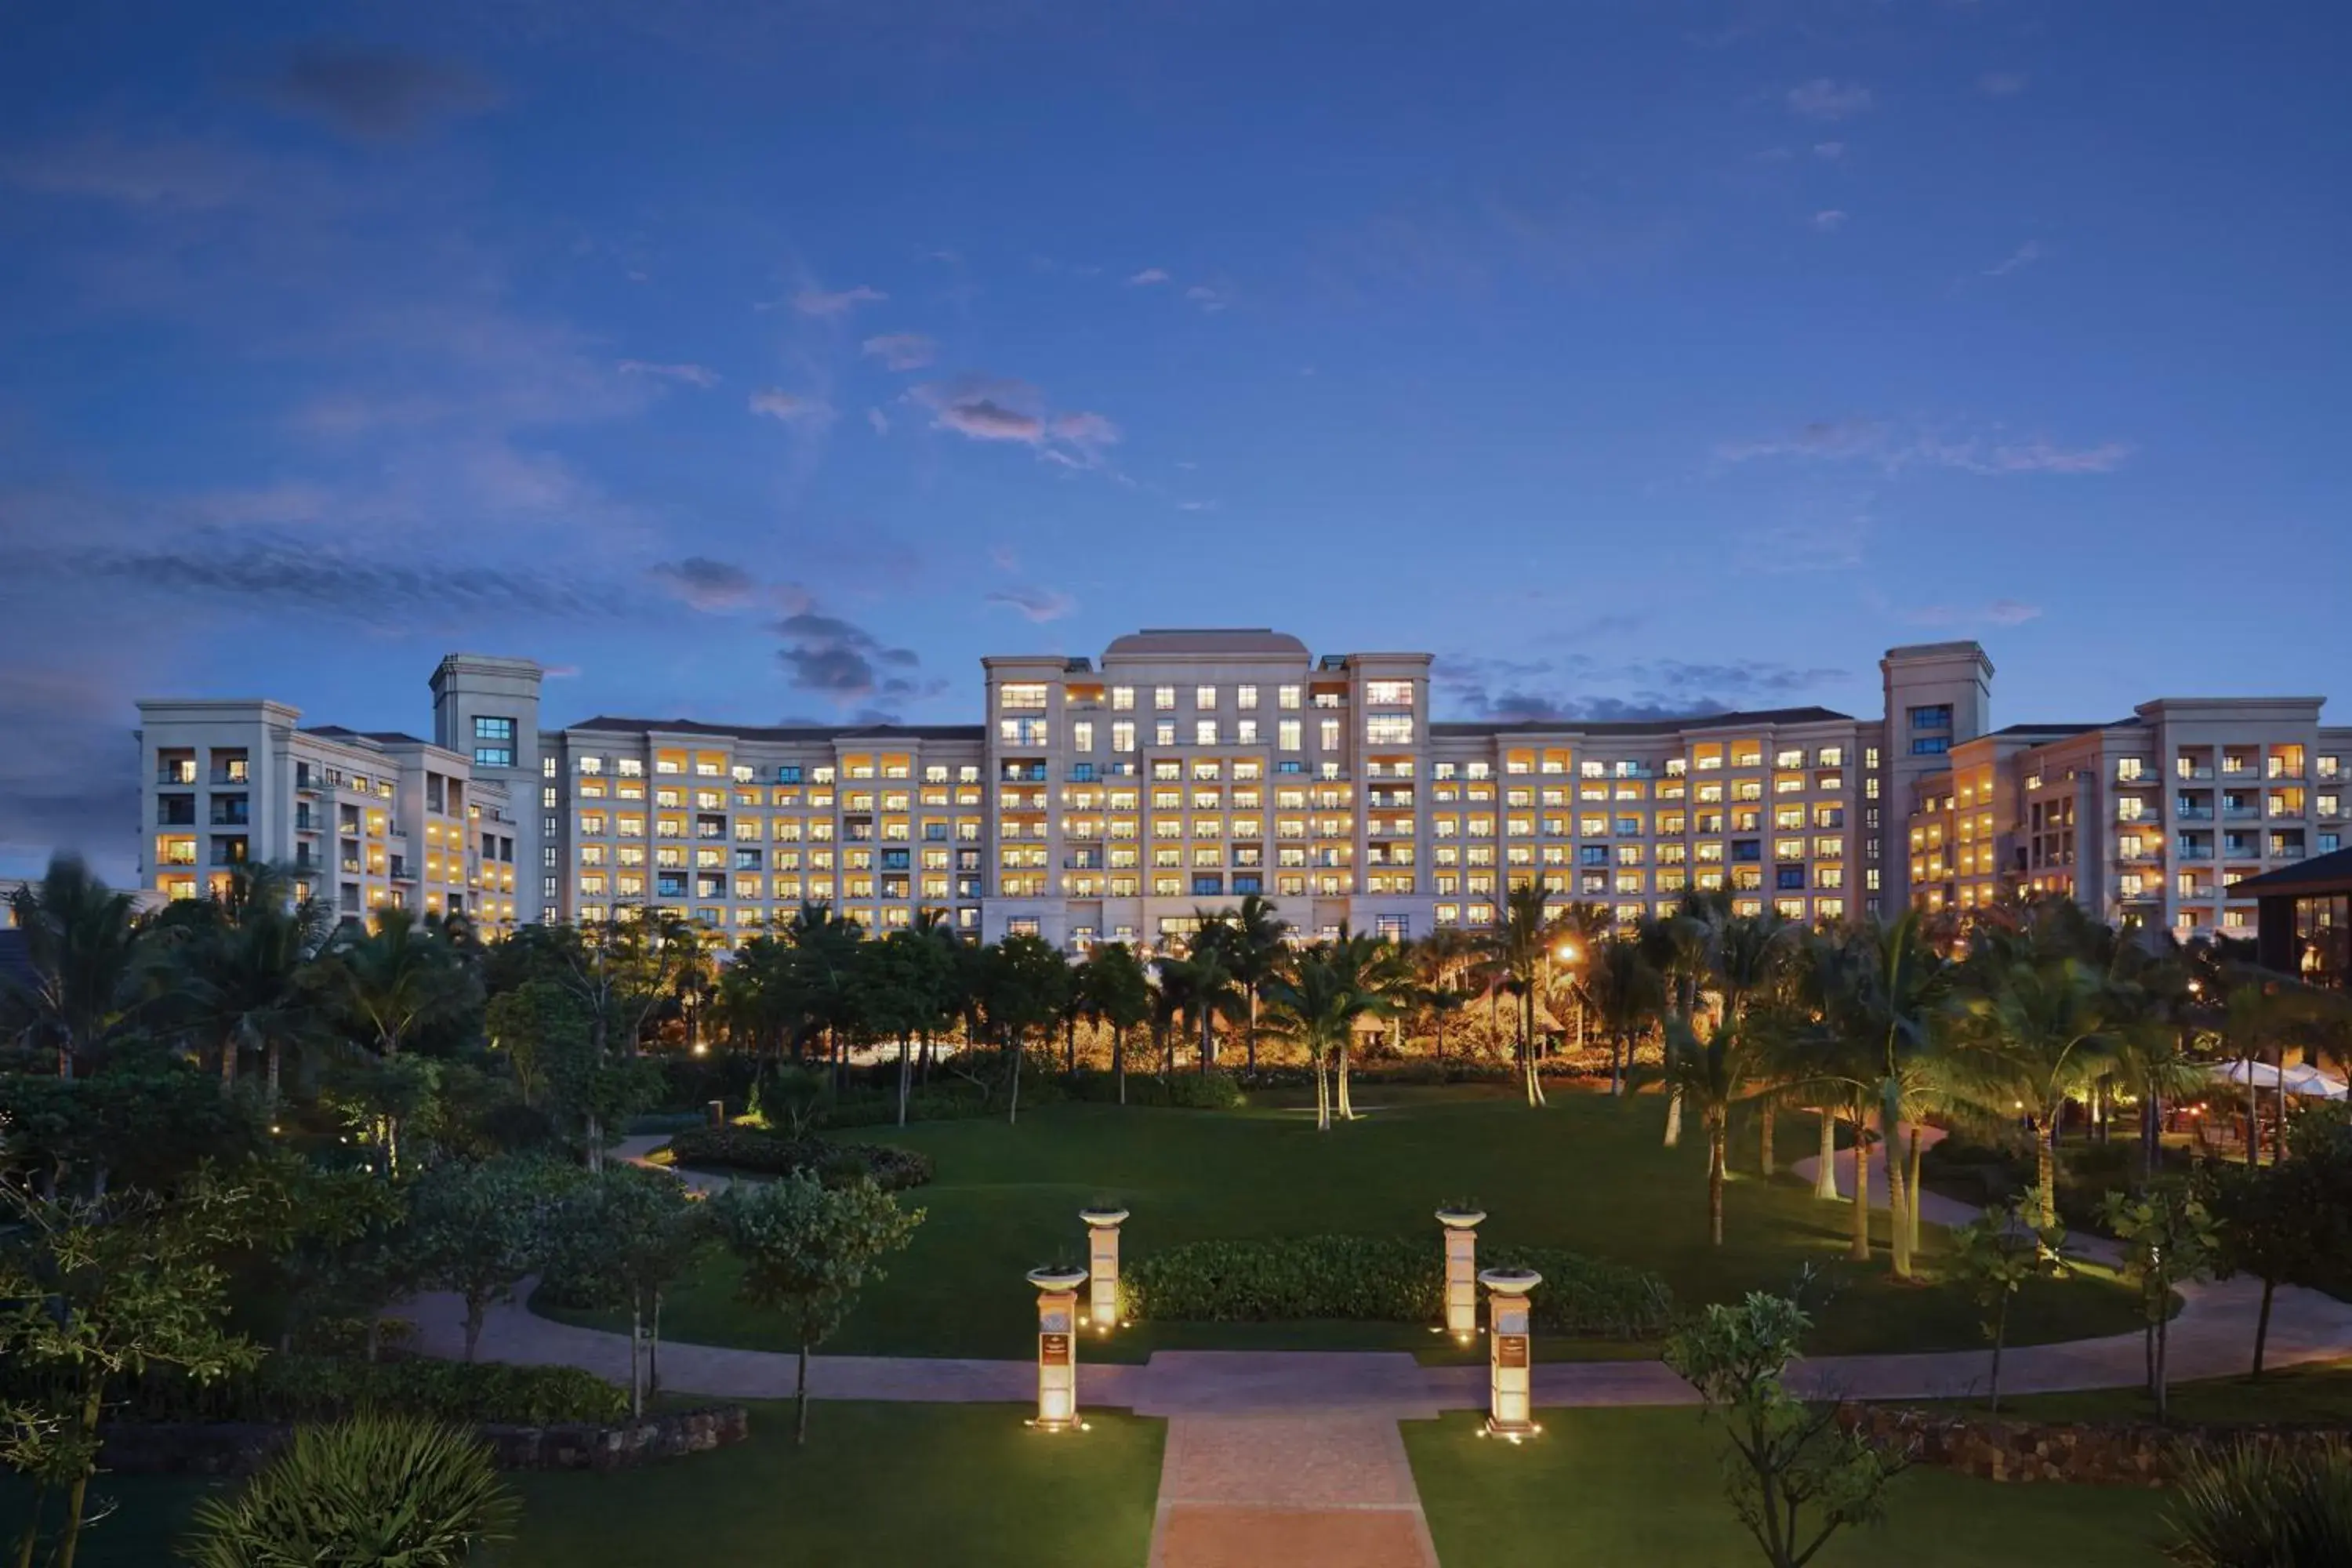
1585	1172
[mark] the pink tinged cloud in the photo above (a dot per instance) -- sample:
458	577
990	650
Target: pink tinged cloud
1039	605
901	350
826	306
777	403
1822	99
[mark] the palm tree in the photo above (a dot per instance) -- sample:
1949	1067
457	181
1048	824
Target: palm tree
1258	939
1377	970
244	976
1680	948
2041	1036
1204	983
1520	946
1712	1075
1119	993
398	980
1624	995
1316	1003
82	945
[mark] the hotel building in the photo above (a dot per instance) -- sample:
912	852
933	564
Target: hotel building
1115	799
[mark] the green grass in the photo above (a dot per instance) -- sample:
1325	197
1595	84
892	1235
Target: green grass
2316	1394
877	1483
1587	1172
1619	1488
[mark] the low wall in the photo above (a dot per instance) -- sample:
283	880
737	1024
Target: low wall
2095	1453
238	1447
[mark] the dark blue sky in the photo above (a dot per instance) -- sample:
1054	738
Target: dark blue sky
755	361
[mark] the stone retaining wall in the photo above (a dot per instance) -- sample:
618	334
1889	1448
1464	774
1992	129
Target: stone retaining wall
2098	1453
239	1448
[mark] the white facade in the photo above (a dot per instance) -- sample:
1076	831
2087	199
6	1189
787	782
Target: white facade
1117	800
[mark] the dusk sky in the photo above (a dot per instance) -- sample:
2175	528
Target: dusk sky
765	362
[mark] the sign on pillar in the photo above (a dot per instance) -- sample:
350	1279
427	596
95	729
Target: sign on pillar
1461	1269
1510	1406
1102	1267
1058	1351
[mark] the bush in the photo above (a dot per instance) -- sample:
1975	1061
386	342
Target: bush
378	1489
2259	1506
765	1153
1375	1279
1180	1092
324	1388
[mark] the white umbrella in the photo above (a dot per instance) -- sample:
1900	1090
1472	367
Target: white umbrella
2305	1080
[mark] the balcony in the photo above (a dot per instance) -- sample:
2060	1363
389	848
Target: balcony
2192	814
182	775
2239	813
2185	771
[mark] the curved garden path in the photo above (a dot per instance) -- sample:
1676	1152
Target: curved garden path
1293	1459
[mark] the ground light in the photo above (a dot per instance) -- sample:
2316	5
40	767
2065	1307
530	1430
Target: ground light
1057	1358
1510	1362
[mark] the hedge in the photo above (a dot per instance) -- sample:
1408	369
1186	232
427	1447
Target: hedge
1381	1280
321	1388
766	1153
1177	1091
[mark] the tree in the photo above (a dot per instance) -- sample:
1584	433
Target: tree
1795	1475
402	977
376	1488
82	952
622	1239
2043	1036
93	1290
1625	997
480	1230
1119	993
1315	1004
806	1250
1995	1255
240	975
1713	1075
1521	946
1204	983
2285	1223
2168	1239
1024	985
1256	955
906	983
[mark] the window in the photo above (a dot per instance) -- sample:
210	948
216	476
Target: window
1204	699
1931	745
1285	696
1246	698
1163	698
1204	732
1286	734
1082	735
1022	695
547	767
489	729
494	756
1164	732
1389	694
1122	735
1939	716
1122	698
1329	734
1388	729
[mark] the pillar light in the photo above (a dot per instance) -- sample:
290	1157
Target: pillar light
1510	1410
1102	1267
1057	1358
1461	1269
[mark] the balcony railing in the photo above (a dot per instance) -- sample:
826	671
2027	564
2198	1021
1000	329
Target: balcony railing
2186	771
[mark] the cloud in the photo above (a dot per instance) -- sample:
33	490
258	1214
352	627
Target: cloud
2001	84
1821	99
2024	256
1996	613
987	409
901	350
819	303
879	420
66	777
689	374
1036	604
374	94
1505	691
1829	149
1893	450
1211	300
1148	276
168	175
833	659
1829	220
777	403
706	584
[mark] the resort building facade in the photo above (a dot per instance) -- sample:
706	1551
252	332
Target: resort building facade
1115	799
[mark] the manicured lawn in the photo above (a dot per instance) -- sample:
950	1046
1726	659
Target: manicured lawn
2317	1393
1588	1173
1640	1486
877	1483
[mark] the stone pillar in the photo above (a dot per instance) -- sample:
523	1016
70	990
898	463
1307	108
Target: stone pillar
1102	1267
1461	1271
1511	1409
1058	1351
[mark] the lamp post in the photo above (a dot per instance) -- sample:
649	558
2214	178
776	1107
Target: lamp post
1510	1398
1057	1357
1102	1266
1461	1269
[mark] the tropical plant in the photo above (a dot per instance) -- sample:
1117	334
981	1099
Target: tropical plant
1521	947
239	973
1625	997
806	1250
1118	995
1024	984
79	995
392	981
374	1488
1204	985
622	1239
2168	1239
1995	1255
1713	1075
480	1230
2041	1034
2258	1504
1795	1474
1255	951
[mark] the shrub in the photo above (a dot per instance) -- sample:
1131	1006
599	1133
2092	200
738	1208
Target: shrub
2257	1506
376	1488
1179	1091
1377	1280
765	1153
324	1388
